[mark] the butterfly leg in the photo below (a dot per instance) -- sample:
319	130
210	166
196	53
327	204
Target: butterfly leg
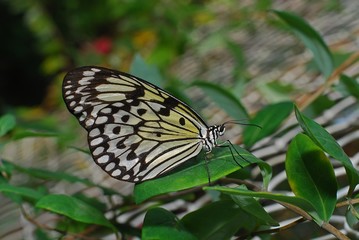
207	168
228	144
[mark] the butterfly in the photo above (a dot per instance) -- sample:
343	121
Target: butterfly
136	130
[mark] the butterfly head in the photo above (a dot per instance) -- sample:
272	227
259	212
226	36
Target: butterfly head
210	136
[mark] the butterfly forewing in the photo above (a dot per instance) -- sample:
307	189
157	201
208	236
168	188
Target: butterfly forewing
136	131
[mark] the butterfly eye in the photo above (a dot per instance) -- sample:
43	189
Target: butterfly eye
222	129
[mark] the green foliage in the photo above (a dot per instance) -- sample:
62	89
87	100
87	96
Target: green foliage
350	86
222	219
161	224
311	39
224	99
140	69
328	144
73	208
303	160
270	117
236	208
296	201
220	166
7	123
24	192
276	91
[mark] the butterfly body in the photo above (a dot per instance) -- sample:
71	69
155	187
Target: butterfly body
136	131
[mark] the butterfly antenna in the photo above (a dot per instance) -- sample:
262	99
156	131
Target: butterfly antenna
241	123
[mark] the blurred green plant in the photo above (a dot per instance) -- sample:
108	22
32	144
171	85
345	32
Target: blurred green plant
81	216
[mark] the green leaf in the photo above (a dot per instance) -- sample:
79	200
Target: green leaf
74	209
238	54
141	69
213	41
218	220
351	85
311	39
55	176
52	175
276	91
162	224
21	191
224	99
328	144
303	161
194	173
6	170
269	118
352	216
253	207
21	133
41	234
47	174
320	104
297	201
7	123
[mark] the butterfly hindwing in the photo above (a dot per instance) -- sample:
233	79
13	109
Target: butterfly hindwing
136	131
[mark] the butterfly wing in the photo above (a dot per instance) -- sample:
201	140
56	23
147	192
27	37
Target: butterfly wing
136	131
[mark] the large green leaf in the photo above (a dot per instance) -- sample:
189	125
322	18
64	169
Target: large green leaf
218	220
328	144
303	161
196	173
74	209
162	224
311	39
269	118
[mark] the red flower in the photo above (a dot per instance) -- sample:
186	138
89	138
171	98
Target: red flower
103	45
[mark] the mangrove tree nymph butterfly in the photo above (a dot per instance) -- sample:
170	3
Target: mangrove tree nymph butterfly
136	130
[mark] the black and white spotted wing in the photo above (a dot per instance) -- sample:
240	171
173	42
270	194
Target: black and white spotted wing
136	131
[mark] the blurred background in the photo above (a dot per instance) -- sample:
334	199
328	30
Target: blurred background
238	45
